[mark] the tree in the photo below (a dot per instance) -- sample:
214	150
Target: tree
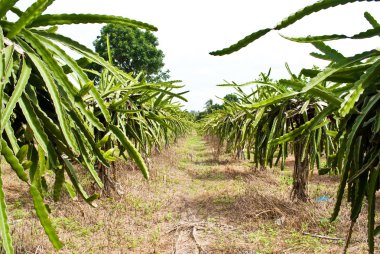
231	98
132	50
210	106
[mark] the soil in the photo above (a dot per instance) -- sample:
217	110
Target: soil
198	200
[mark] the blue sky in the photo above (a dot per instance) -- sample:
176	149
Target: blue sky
189	30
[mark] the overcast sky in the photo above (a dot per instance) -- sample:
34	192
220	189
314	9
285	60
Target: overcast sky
189	30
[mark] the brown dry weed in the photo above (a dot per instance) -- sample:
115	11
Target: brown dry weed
199	200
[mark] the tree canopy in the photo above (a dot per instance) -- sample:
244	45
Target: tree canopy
132	50
231	98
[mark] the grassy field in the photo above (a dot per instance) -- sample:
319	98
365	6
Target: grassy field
198	201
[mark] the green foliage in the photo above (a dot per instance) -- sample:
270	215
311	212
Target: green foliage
132	50
231	98
42	214
349	85
269	121
62	19
4	227
316	7
52	116
131	150
210	106
144	112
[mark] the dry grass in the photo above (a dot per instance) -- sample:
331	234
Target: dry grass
198	200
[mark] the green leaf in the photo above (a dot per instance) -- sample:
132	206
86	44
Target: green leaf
320	56
65	19
48	123
17	92
109	155
370	76
133	153
32	13
371	196
71	63
361	185
338	77
11	137
370	163
357	124
367	34
22	153
86	158
74	179
16	11
313	8
371	20
316	121
109	54
272	100
33	171
58	183
4	226
317	91
27	164
83	50
85	89
97	97
316	7
318	38
335	67
376	231
5	6
376	126
8	64
41	167
51	86
346	151
315	39
104	140
38	130
43	215
13	161
242	43
328	51
331	133
89	137
70	189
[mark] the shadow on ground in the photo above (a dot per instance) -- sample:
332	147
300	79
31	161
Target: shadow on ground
252	204
220	175
210	162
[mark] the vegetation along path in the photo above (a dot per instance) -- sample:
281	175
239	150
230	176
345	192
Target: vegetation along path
198	201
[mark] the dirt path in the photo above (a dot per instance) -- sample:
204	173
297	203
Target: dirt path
194	203
207	188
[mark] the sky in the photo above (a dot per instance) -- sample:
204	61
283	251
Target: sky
189	30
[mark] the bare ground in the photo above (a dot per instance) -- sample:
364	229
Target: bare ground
196	202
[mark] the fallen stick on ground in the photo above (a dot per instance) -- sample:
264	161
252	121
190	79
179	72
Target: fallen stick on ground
263	212
324	237
199	246
199	225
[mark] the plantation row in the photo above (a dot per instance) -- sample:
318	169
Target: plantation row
55	121
329	119
61	117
